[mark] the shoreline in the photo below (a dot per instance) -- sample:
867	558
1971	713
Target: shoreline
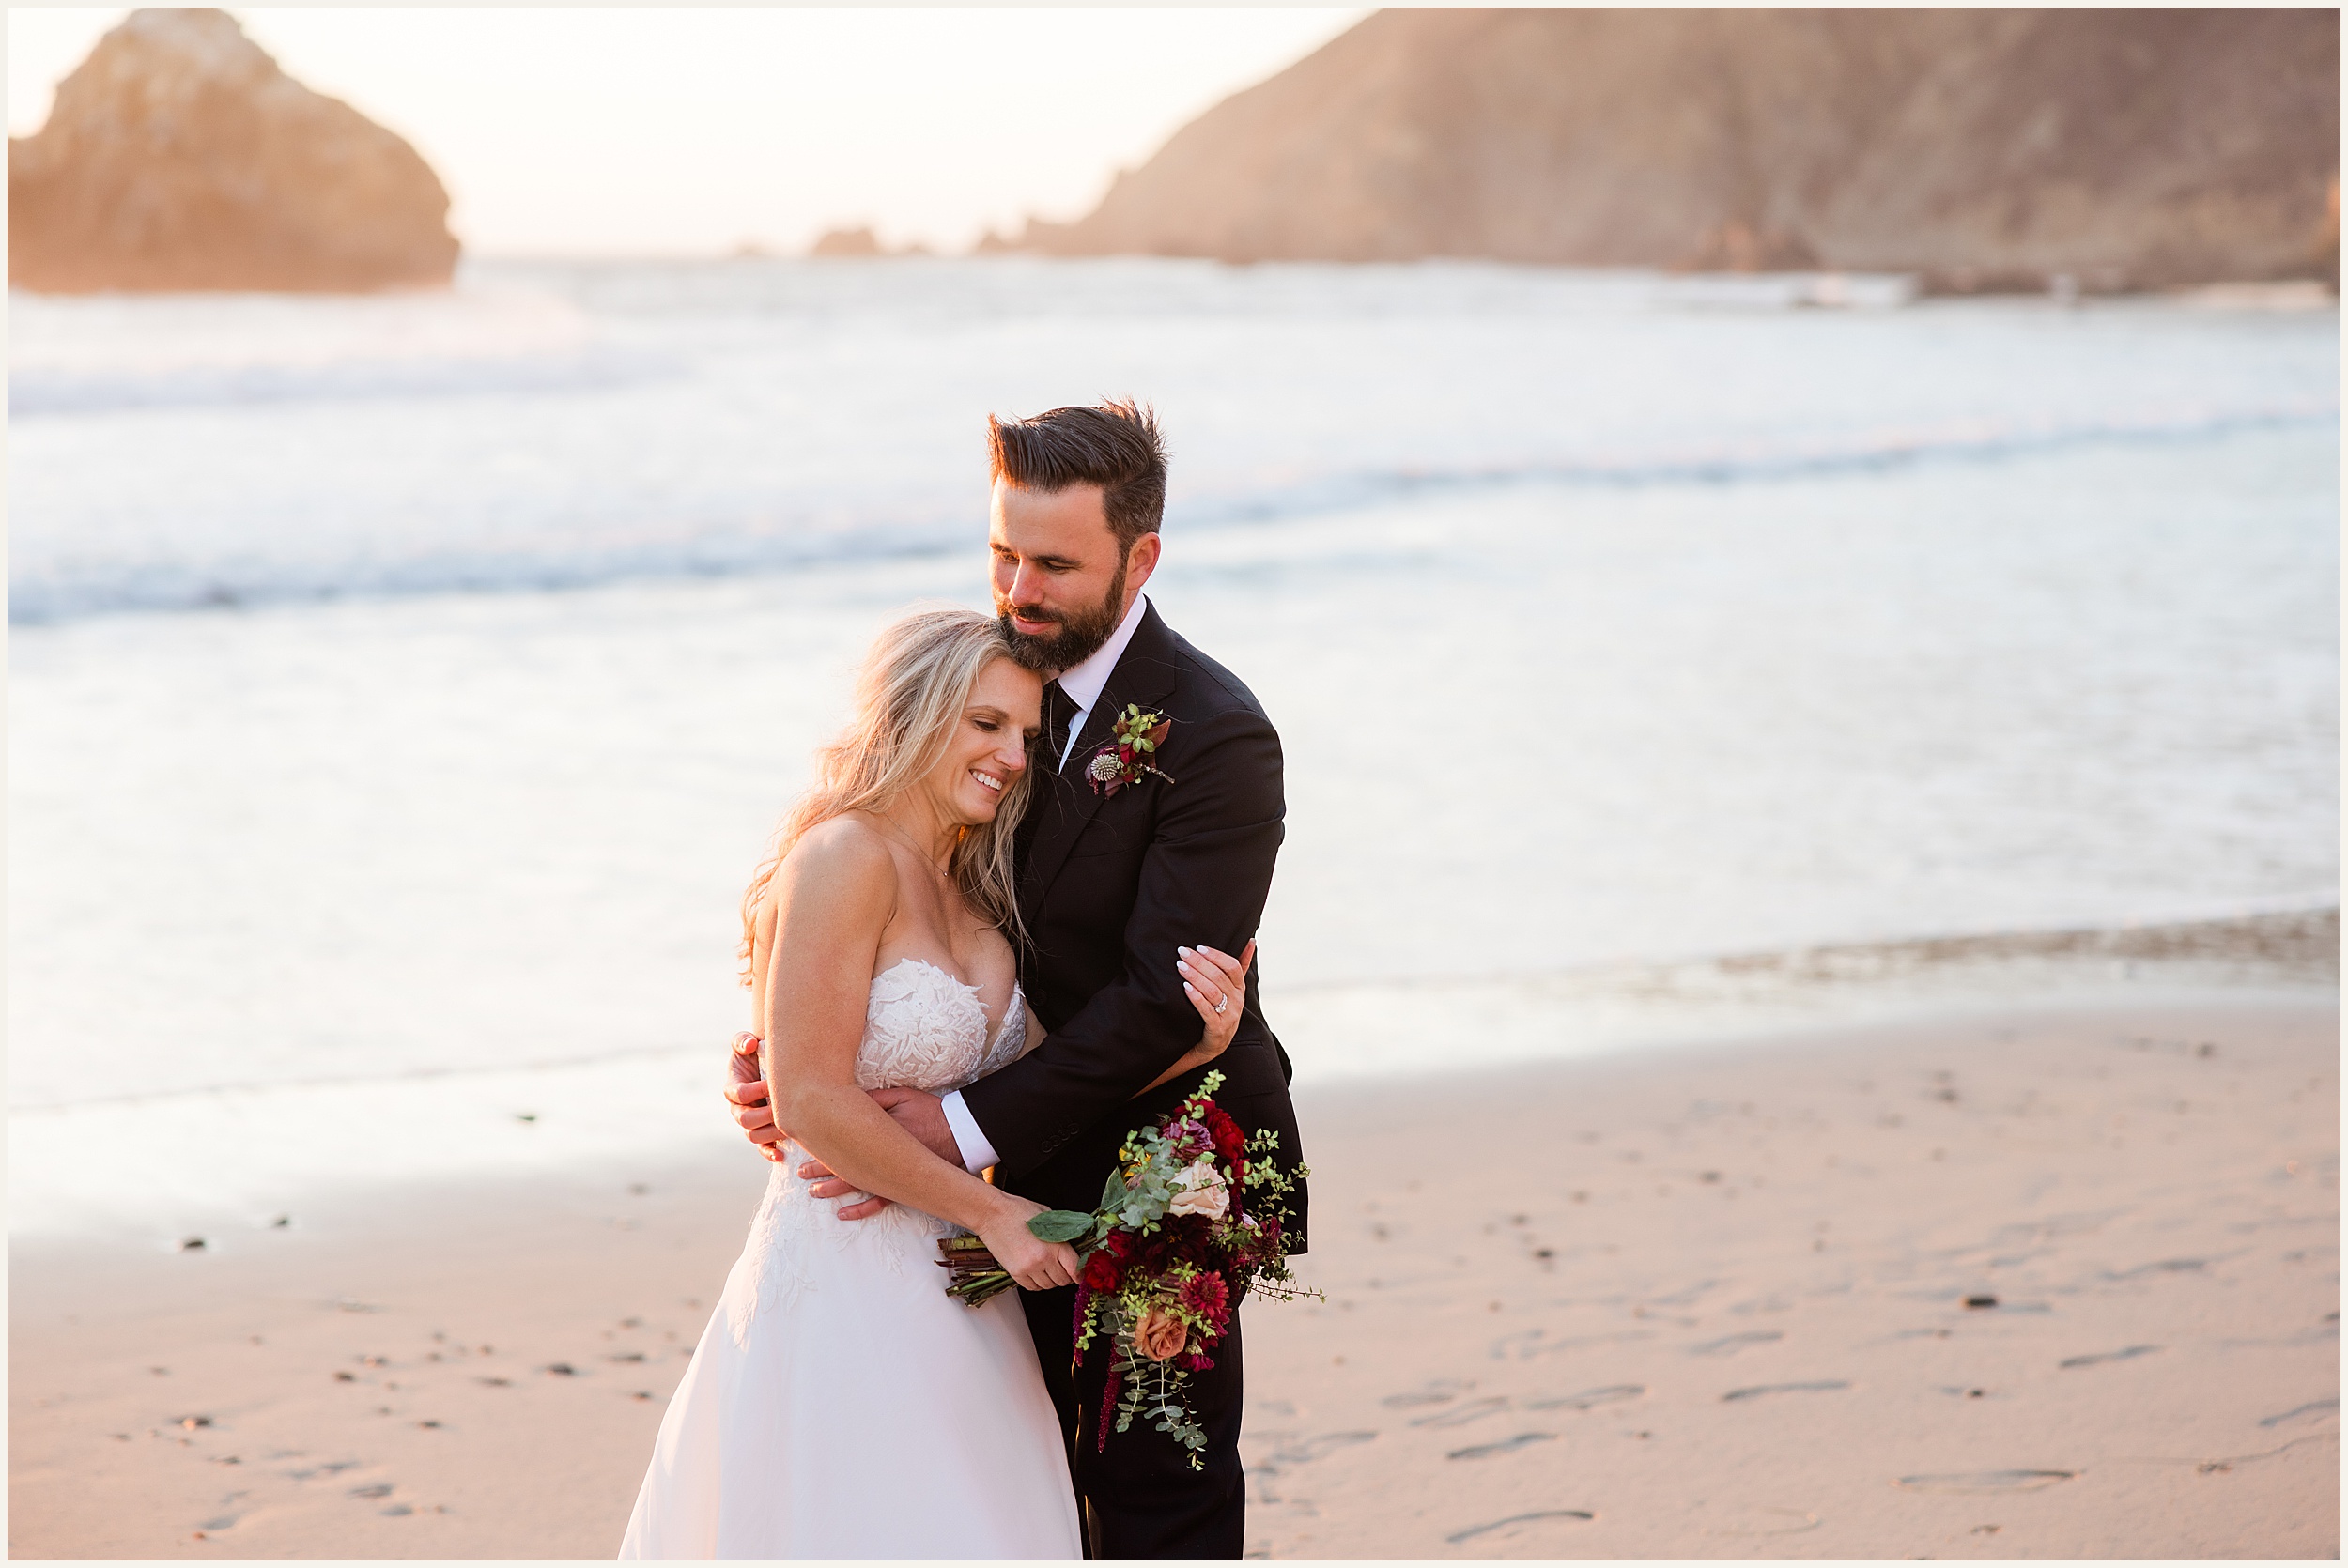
228	1160
1709	1298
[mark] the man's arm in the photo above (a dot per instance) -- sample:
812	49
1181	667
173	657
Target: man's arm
1204	880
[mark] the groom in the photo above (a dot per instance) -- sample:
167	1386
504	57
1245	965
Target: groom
1108	887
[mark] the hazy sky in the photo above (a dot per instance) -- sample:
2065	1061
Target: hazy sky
652	130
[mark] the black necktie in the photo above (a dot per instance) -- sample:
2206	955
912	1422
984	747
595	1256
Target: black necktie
1058	707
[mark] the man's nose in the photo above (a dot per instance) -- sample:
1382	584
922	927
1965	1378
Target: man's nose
1027	586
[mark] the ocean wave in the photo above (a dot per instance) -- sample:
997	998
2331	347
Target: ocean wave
42	392
175	586
1971	441
71	584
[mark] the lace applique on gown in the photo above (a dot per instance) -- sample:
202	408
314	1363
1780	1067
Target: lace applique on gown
834	1360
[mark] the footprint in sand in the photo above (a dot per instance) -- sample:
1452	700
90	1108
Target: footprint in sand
2319	1408
1985	1483
2166	1265
1441	1392
1588	1398
1765	1521
1309	1449
1534	1342
1515	1520
320	1470
1735	1342
2102	1356
380	1489
2214	1466
1475	1409
1485	1450
1824	1385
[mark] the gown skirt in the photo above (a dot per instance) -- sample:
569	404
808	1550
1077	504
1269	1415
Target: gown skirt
840	1404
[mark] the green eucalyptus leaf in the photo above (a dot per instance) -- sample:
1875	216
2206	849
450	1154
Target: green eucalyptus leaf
1059	1224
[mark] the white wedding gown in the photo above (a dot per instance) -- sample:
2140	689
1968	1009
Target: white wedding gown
840	1403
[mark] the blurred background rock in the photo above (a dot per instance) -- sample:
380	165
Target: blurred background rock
1990	149
1982	149
178	157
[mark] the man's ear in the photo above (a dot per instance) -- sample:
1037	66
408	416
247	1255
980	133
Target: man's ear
1140	561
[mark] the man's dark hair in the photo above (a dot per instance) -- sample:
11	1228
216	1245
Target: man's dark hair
1115	446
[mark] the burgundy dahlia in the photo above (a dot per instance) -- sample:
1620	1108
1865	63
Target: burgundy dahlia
1208	1296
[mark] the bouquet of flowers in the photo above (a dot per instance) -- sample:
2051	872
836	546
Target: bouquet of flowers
1190	1221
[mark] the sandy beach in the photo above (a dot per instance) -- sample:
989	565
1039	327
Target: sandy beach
1998	1283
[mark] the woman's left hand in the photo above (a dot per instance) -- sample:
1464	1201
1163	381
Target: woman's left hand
1216	984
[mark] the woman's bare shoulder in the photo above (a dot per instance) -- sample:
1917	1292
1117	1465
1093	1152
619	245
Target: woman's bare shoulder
841	871
841	858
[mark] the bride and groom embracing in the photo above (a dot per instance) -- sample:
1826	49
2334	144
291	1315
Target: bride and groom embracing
988	937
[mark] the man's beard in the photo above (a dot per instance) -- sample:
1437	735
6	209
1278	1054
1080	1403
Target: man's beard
1079	637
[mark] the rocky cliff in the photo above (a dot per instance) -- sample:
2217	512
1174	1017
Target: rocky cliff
179	157
2125	149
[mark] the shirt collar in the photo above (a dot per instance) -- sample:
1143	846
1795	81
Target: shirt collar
1083	683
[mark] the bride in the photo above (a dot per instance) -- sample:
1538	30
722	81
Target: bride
839	1403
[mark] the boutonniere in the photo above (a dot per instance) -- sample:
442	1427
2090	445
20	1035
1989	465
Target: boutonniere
1136	738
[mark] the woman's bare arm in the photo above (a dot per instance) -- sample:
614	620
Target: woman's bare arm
834	897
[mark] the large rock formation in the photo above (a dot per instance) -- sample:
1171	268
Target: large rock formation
1980	148
179	157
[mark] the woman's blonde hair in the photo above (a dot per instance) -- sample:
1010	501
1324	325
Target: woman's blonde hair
909	697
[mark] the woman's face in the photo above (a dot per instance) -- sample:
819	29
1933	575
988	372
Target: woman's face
990	743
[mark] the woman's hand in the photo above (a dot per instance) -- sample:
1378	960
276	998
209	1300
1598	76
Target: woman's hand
1036	1265
1216	984
1212	980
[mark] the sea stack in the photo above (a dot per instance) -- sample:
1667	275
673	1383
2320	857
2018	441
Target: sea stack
178	156
1981	148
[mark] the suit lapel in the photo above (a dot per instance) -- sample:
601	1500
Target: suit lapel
1145	674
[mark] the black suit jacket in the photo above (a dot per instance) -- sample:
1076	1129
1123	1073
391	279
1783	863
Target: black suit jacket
1108	889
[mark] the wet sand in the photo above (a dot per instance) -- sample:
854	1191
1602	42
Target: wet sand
1710	1301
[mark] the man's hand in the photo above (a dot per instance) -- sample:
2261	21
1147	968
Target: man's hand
745	1097
924	1116
745	1094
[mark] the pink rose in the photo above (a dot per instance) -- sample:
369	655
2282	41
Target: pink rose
1200	1190
1160	1335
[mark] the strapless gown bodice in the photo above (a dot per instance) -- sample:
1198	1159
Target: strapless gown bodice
923	1029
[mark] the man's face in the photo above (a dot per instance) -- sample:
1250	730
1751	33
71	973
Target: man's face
1061	585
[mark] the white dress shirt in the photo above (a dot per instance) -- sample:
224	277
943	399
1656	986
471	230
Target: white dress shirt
1083	684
